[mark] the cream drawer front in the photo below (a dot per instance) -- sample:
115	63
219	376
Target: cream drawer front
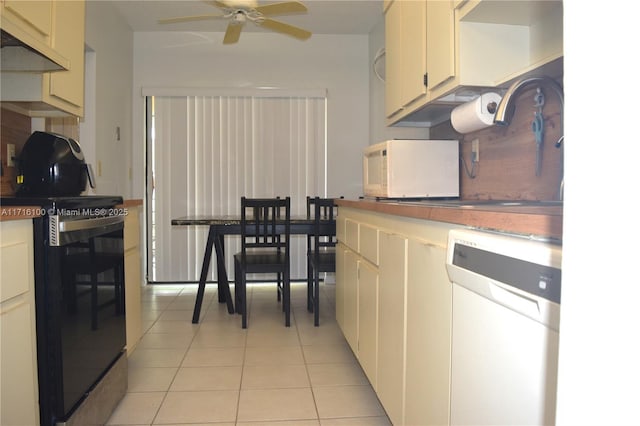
351	234
369	243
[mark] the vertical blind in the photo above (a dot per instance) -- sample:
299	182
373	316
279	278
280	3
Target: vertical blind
208	151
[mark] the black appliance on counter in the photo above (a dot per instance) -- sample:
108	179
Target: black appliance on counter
51	165
80	306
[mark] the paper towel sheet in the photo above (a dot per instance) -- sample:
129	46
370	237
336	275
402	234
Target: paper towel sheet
473	115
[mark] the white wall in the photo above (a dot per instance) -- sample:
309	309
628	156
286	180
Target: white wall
108	35
336	63
599	368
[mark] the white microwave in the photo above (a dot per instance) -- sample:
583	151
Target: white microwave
411	168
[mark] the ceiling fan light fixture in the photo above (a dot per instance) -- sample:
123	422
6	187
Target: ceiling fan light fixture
238	11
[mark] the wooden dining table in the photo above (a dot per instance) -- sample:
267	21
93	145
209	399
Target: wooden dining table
219	226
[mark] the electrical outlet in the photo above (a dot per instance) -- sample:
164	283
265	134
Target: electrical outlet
11	152
475	150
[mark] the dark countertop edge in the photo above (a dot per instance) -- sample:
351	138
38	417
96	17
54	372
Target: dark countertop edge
543	221
134	202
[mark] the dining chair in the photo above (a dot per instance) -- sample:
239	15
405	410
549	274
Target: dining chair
321	255
265	240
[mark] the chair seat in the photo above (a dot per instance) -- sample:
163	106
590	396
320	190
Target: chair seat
326	261
266	261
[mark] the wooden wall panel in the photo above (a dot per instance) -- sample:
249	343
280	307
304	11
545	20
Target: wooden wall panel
506	170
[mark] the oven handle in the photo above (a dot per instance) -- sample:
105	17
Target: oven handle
84	224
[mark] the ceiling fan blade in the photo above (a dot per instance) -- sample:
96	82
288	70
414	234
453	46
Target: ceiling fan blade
282	8
281	27
232	35
189	18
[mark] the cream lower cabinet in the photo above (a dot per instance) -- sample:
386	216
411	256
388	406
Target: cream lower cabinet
428	335
391	324
132	277
413	311
18	357
357	293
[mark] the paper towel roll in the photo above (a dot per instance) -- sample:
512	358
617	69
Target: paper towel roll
474	115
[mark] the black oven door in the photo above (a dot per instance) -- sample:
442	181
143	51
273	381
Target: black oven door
80	309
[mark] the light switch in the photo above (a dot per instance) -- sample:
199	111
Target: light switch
11	152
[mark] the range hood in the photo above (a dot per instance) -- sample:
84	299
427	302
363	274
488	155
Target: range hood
19	57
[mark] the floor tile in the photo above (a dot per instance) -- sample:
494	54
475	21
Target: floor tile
319	354
266	355
336	374
347	401
274	376
156	357
276	404
198	407
358	421
165	341
212	357
151	379
137	408
207	378
217	374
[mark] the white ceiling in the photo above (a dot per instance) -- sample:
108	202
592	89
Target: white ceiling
323	17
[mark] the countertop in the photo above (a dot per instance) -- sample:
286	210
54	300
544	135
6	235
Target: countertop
542	219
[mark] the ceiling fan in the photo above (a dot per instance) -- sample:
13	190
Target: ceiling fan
239	11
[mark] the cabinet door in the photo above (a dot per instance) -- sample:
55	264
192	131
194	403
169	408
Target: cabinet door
428	364
340	285
65	89
440	47
393	59
368	320
18	368
391	319
350	328
405	54
414	49
35	16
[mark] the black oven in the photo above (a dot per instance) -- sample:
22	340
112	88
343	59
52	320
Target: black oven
80	304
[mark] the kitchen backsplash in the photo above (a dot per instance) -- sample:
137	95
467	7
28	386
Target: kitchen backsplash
507	155
15	129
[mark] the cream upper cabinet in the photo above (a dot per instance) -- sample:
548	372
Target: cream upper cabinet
58	93
65	89
19	373
405	56
498	41
440	44
31	23
471	46
34	17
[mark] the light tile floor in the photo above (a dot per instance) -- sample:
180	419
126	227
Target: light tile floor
216	373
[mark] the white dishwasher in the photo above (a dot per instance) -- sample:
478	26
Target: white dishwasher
506	313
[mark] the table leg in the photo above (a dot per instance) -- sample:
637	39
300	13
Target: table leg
203	276
224	293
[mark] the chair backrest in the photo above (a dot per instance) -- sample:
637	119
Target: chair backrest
265	223
321	209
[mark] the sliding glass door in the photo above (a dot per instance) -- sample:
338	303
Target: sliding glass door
205	152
